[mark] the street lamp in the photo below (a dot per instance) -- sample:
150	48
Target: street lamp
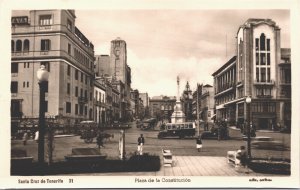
42	75
248	102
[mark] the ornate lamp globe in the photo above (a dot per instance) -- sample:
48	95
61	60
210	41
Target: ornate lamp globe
248	100
42	74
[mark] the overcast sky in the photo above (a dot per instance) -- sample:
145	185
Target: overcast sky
162	44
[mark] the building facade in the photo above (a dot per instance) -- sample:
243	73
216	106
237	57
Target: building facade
99	102
145	98
50	38
262	71
225	91
207	103
162	107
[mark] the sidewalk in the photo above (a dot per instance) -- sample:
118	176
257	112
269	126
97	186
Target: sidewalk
191	166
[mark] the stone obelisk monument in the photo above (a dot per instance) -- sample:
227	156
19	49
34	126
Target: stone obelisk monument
178	115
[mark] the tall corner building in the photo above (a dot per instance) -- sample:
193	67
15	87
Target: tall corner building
50	38
120	71
261	70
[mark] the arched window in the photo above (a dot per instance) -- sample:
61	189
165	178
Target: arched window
19	45
262	41
12	46
26	45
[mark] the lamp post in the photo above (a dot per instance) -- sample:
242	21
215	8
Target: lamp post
42	75
248	102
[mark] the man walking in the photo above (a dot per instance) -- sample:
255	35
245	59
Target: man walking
141	142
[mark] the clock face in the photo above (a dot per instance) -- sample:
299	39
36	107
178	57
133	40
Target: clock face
117	52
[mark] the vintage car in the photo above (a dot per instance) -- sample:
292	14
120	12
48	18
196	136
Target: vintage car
180	130
263	142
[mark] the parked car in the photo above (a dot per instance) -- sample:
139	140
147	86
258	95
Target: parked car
266	143
208	135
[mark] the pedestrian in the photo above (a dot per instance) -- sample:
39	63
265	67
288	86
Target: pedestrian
25	138
242	156
100	140
199	144
141	141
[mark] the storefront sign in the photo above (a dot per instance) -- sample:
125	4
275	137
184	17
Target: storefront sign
19	20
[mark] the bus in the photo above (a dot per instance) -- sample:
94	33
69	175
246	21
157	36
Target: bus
177	129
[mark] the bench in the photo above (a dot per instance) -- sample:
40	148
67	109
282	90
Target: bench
167	157
231	158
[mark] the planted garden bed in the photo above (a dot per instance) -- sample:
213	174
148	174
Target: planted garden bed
270	166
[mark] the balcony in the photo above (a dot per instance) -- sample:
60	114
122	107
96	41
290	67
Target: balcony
82	100
264	83
264	96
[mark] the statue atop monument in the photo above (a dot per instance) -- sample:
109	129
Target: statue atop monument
178	115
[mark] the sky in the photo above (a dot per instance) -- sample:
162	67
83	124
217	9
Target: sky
164	44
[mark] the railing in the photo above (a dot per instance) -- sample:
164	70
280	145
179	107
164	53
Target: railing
270	82
82	100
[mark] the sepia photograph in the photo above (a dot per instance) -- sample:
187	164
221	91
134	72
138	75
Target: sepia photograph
150	96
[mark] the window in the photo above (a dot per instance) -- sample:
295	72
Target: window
27	84
14	67
24	84
19	45
81	79
46	64
45	20
257	74
69	24
45	45
263	74
81	109
69	70
262	41
268	59
76	109
14	87
81	92
12	46
86	79
85	110
68	107
91	96
257	58
76	91
85	94
26	65
76	74
68	88
69	49
262	58
268	44
26	45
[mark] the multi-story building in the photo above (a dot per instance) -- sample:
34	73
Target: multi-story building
50	38
102	65
225	91
136	99
162	107
207	103
121	72
262	71
99	102
187	100
196	101
145	99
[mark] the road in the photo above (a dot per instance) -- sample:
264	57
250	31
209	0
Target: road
153	145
